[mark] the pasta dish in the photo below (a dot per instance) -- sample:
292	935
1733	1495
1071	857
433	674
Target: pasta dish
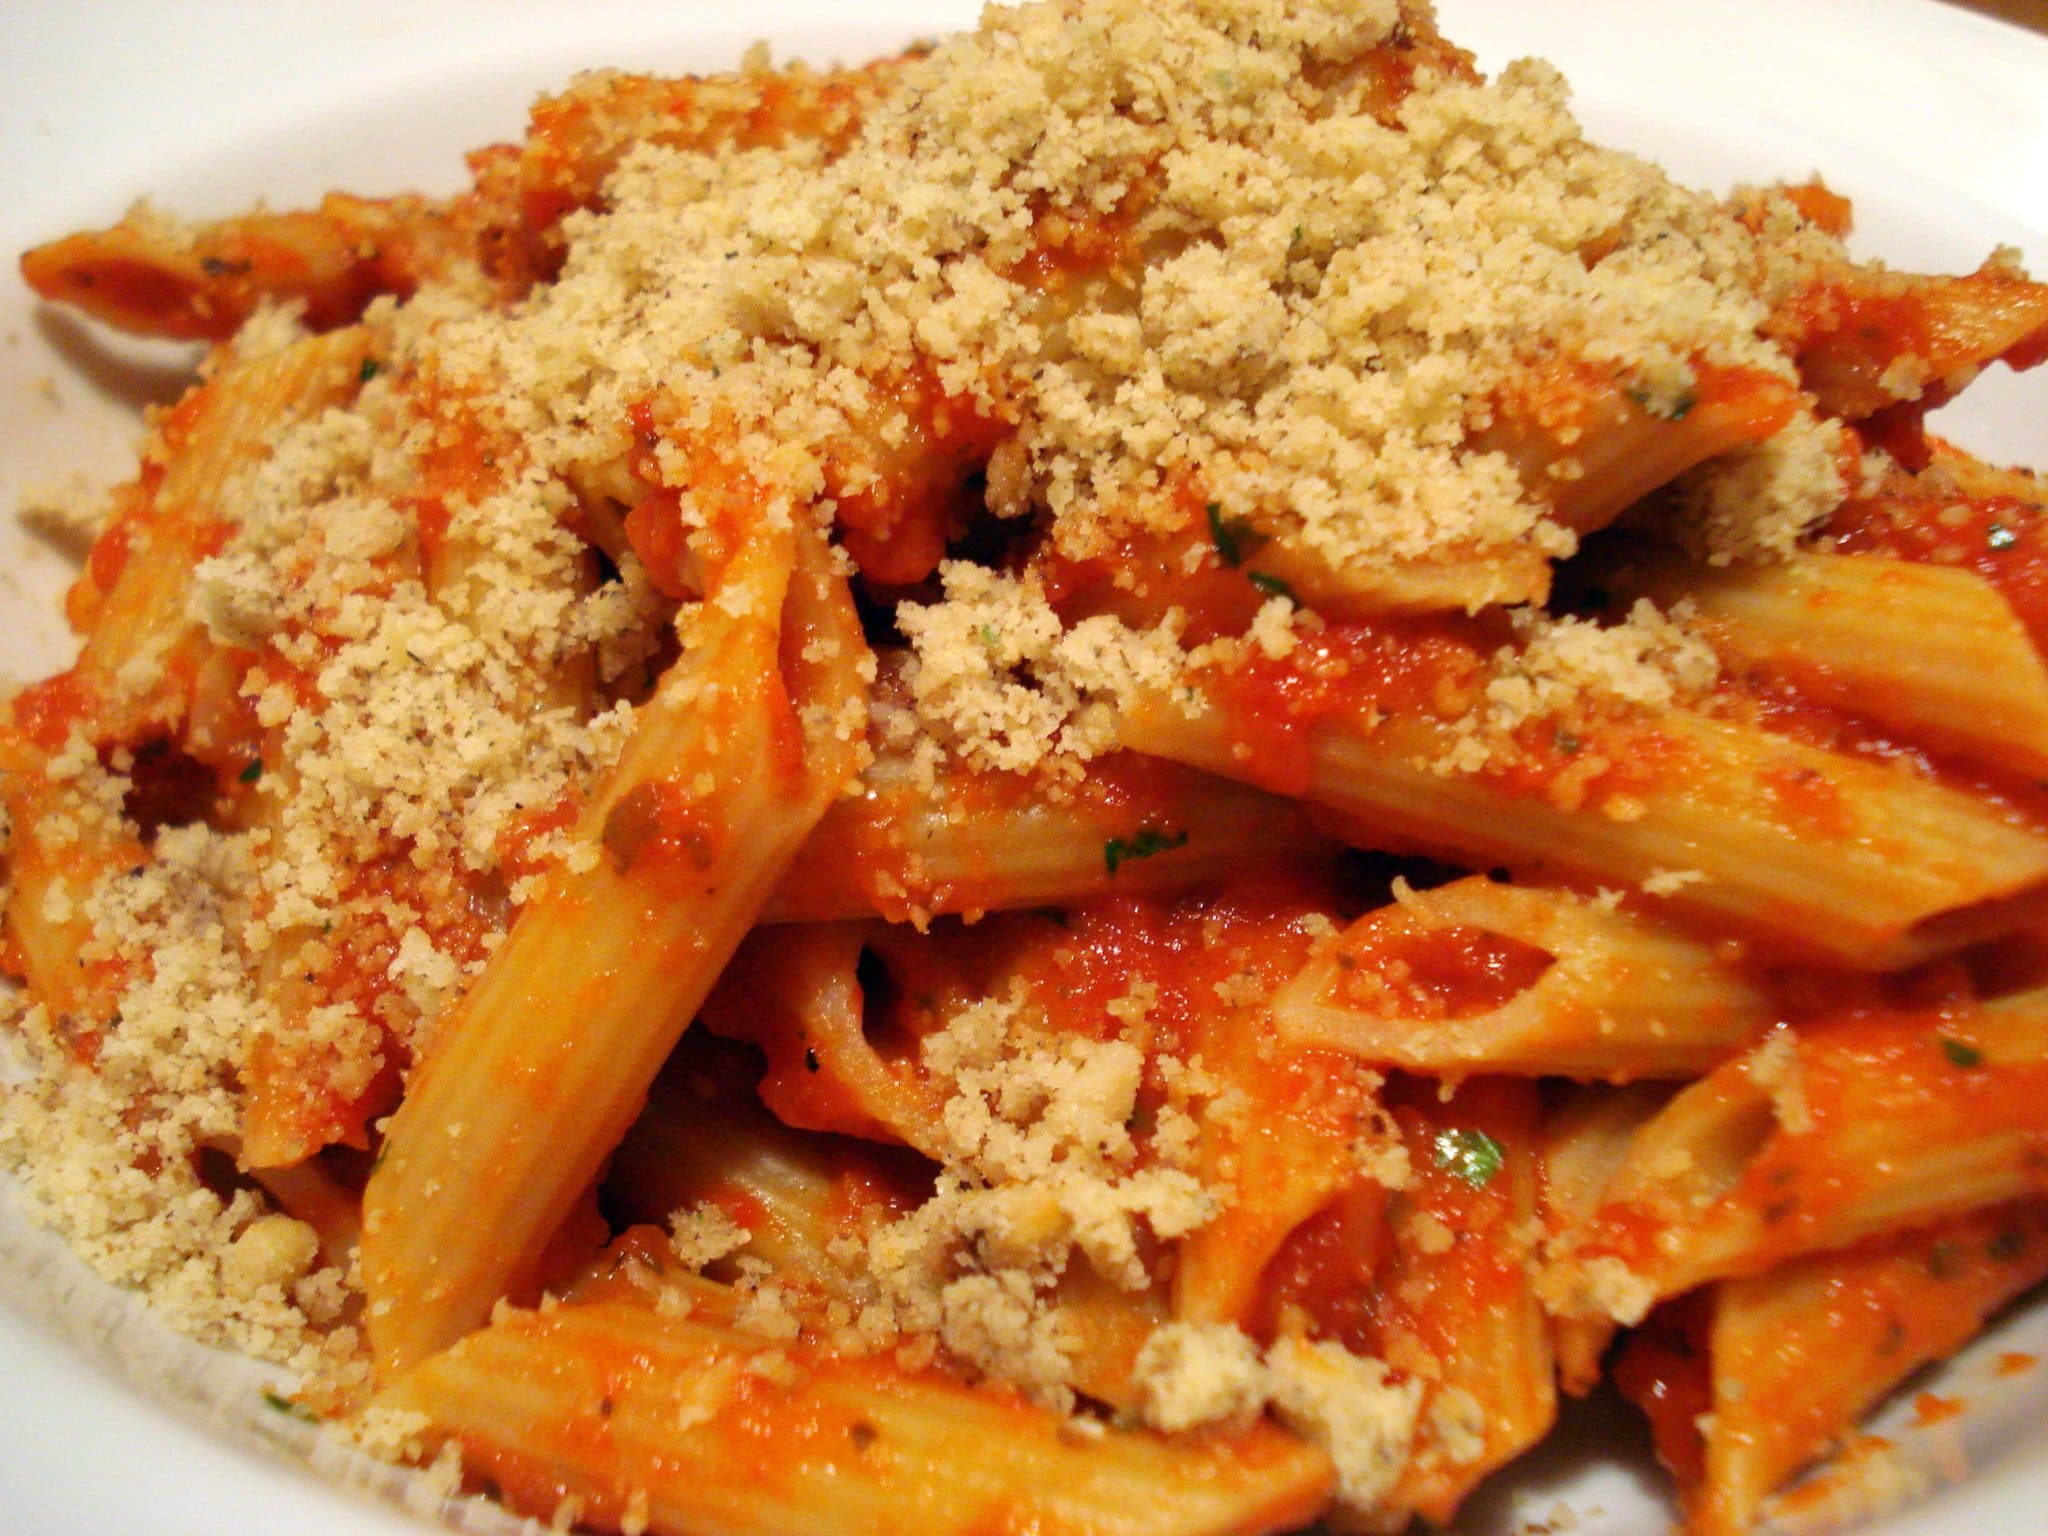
1126	776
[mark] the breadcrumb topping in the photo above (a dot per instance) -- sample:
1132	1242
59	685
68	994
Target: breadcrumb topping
1040	1168
1219	278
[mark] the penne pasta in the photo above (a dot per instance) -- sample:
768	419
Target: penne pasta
1866	863
1808	1144
704	1141
1456	1303
635	1416
1485	977
1586	1138
1799	1354
155	277
1930	651
682	877
974	843
1849	331
144	654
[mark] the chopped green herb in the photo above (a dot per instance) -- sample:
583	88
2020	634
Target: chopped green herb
1234	537
285	1405
370	369
989	635
1148	841
1472	1155
253	772
1944	1261
811	1062
1271	585
1676	409
1567	742
1998	536
1961	1053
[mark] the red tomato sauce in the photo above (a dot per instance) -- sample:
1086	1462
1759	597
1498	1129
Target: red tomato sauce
1881	1067
901	502
2001	538
1665	1371
1327	1270
655	530
1436	973
47	712
516	844
1351	672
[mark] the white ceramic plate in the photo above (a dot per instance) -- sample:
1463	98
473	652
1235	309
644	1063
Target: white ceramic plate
1934	120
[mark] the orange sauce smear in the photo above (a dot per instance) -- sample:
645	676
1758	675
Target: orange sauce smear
1930	1409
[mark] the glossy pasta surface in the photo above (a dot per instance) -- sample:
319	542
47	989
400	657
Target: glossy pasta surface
1126	776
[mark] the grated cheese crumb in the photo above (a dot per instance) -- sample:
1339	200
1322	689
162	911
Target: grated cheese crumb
1774	1066
1351	1406
1755	505
1669	882
1191	1374
704	1235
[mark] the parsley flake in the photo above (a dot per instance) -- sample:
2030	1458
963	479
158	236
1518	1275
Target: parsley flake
1472	1155
1998	536
1676	408
253	772
1271	585
1961	1053
1148	841
291	1409
370	369
1234	537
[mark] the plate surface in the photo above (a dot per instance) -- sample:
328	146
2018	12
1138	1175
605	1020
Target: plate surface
1934	120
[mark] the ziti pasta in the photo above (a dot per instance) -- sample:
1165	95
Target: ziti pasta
1110	779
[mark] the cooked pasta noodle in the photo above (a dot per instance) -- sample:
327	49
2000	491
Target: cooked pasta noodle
1108	779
